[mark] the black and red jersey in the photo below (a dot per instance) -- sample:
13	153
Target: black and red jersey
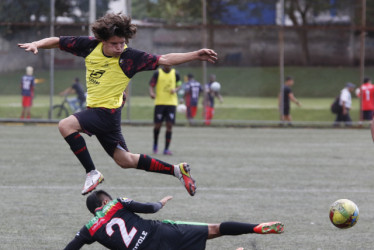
116	226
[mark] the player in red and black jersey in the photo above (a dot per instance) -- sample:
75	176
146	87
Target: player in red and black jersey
116	226
110	65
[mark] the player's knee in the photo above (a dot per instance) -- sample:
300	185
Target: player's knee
213	231
124	159
62	126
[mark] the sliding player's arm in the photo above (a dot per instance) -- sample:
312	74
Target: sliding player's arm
145	208
46	43
179	58
81	238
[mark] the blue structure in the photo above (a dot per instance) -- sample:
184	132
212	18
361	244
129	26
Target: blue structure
253	14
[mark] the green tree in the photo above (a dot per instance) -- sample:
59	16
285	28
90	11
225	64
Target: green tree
301	14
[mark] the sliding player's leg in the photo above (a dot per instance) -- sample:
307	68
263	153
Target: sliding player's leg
238	228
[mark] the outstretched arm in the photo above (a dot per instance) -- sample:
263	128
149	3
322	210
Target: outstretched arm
178	58
46	43
149	207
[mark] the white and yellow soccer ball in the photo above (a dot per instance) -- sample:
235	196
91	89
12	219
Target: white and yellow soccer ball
215	86
344	213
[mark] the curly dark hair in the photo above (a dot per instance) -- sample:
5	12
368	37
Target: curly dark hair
113	25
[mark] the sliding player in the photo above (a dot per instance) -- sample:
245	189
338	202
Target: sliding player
116	226
110	65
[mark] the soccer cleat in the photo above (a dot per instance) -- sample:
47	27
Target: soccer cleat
186	178
155	149
93	178
167	152
269	228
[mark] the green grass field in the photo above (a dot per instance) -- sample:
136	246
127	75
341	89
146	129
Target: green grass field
235	81
251	175
233	108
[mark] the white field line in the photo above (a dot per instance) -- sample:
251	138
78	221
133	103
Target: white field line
270	189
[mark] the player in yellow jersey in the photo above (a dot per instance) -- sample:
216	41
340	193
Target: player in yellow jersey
164	85
110	65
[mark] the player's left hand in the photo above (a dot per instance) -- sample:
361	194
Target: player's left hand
29	47
207	55
165	200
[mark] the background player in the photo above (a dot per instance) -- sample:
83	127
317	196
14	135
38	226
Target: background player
76	103
288	96
27	92
366	95
117	227
192	93
164	86
208	101
110	65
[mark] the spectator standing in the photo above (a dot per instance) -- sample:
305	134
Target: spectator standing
288	96
27	87
345	103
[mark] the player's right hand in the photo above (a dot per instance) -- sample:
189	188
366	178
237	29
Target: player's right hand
29	47
165	200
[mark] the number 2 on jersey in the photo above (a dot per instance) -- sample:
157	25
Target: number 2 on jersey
126	237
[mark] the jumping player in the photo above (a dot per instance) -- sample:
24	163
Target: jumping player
164	86
366	95
116	226
192	93
27	87
110	65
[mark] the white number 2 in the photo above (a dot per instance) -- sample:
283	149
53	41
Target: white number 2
126	237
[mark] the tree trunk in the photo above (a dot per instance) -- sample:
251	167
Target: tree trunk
303	36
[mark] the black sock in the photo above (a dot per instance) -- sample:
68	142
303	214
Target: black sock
236	228
153	165
156	132
167	139
78	146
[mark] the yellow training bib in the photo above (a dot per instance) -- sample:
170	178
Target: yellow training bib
105	80
165	83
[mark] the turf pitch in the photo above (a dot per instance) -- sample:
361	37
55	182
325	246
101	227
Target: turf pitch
253	175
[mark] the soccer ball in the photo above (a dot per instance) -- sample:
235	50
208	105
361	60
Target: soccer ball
181	108
344	213
215	86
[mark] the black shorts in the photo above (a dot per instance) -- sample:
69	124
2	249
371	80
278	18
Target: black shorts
286	110
164	112
105	124
367	115
171	235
